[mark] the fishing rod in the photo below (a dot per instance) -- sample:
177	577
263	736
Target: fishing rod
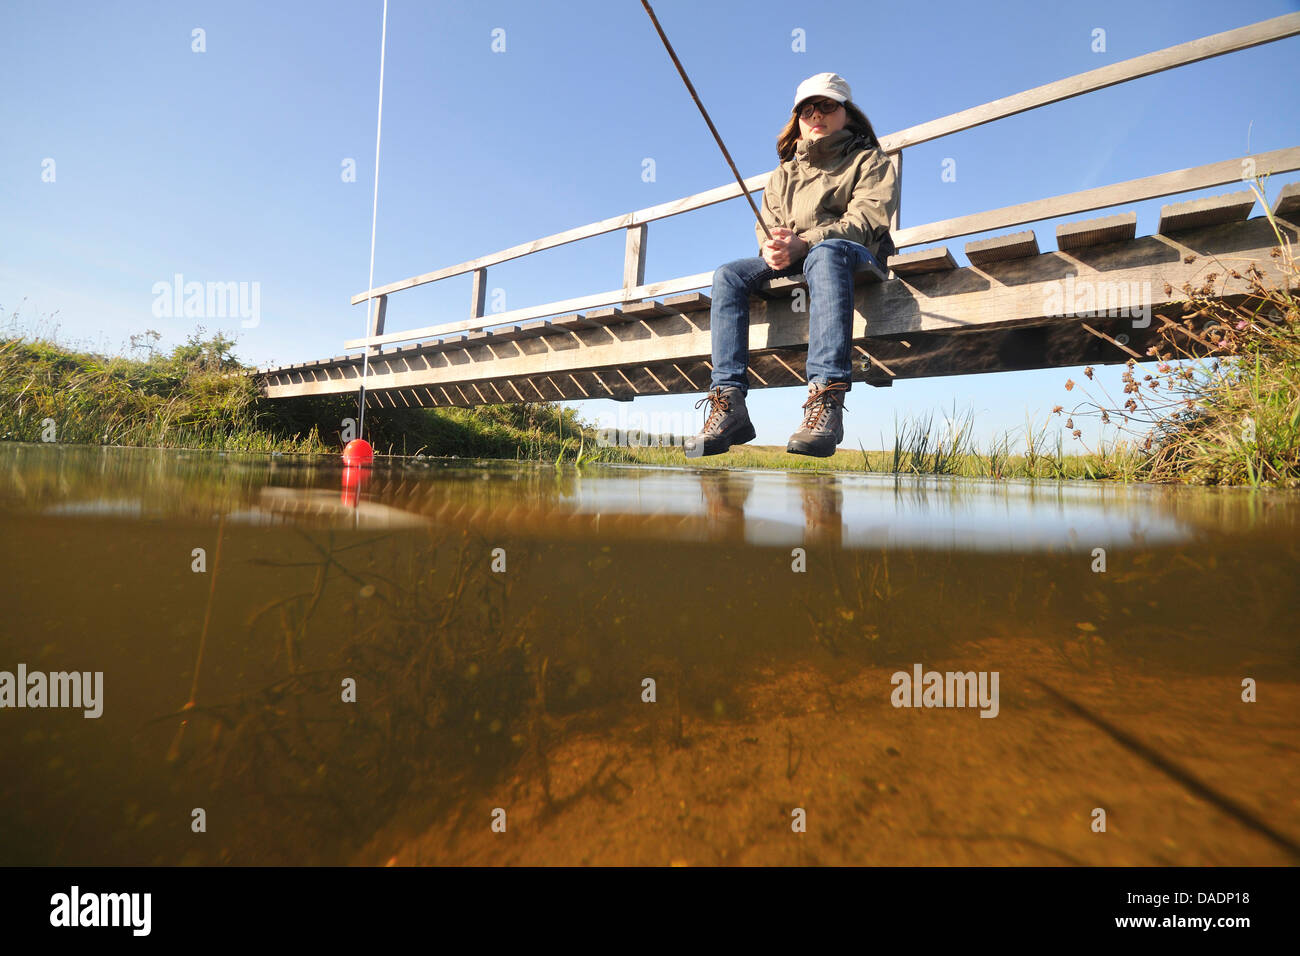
695	96
363	448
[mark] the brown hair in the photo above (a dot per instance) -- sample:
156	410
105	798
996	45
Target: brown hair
857	121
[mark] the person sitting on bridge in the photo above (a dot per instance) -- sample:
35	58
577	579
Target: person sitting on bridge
829	205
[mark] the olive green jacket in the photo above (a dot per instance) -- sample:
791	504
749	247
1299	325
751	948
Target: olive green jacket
834	187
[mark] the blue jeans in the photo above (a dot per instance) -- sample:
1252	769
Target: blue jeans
829	268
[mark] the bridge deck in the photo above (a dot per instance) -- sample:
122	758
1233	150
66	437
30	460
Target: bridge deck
1013	308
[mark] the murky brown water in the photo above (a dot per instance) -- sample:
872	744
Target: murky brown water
520	692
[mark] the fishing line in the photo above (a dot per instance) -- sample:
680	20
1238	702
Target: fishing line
374	217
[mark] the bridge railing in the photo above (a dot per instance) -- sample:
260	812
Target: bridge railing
635	289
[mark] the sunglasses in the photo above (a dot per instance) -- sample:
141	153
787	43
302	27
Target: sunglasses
825	107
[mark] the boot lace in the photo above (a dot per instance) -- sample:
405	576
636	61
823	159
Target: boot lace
721	405
818	403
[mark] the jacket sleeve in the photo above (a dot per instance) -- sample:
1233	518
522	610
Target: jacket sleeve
773	213
871	207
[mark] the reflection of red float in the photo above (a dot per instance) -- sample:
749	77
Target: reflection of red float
354	482
358	456
358	452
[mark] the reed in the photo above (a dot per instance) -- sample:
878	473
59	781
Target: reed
1222	405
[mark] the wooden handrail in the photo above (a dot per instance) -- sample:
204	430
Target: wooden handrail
1193	51
1102	197
1087	200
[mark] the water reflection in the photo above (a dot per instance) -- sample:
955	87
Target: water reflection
757	508
498	624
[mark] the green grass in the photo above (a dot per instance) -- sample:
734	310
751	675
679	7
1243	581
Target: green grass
188	399
1222	404
920	448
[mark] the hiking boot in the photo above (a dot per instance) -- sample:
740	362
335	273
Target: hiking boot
727	424
822	427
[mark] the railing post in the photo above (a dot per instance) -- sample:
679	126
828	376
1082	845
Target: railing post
377	322
897	160
634	257
478	297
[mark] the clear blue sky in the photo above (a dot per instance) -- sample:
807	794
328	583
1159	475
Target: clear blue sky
226	165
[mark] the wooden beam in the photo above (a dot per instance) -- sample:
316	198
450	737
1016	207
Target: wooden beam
634	257
896	159
1094	232
1287	205
645	310
581	303
689	302
478	294
1209	211
937	259
1017	245
1193	51
1116	194
612	315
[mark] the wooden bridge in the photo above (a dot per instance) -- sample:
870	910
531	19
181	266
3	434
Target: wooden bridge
1098	298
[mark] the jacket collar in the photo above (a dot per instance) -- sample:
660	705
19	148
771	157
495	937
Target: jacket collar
818	150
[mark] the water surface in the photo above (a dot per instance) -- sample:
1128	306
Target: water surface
501	622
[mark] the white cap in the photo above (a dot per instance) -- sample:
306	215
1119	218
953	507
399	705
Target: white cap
823	84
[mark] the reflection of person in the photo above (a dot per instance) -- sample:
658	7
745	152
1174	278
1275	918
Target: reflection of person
828	206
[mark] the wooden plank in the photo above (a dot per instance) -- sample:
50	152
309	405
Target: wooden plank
689	302
634	256
1116	194
573	322
450	342
645	310
1094	232
581	303
1210	211
1287	205
1193	51
1017	245
649	214
608	316
535	328
478	293
937	259
896	160
507	334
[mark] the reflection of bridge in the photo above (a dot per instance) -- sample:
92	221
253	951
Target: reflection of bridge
1013	307
612	503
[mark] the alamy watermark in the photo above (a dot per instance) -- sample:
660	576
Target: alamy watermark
76	908
1082	298
638	429
76	689
949	689
208	300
